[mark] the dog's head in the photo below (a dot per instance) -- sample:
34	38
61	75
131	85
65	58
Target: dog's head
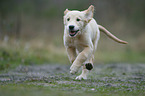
75	21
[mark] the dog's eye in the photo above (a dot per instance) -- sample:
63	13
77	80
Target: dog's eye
68	19
78	19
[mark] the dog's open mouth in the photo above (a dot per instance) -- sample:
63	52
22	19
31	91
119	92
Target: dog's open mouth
73	33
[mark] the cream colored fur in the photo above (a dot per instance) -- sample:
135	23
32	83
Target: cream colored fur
81	47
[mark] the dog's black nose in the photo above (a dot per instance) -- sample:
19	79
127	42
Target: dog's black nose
71	27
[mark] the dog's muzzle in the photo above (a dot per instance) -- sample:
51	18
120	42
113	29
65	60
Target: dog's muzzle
72	32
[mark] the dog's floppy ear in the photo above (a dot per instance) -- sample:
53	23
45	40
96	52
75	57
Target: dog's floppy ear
89	13
65	12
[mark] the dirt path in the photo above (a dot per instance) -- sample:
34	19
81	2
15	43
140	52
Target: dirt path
120	76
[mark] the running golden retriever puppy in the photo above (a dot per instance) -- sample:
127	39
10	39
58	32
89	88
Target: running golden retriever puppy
81	35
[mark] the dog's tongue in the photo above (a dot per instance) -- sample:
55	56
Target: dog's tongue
72	32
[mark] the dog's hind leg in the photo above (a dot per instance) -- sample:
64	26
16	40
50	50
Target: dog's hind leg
88	65
83	74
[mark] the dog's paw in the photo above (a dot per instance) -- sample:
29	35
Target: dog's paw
74	69
81	77
89	66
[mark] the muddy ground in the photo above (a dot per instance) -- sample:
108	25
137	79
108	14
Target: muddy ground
103	78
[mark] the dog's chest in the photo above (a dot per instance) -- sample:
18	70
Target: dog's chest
77	42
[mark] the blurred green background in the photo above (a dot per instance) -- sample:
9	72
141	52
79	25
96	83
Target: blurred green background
31	31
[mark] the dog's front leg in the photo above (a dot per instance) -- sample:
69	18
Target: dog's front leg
71	51
80	59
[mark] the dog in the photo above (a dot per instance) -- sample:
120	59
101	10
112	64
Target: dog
81	36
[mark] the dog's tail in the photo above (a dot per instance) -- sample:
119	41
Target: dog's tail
111	35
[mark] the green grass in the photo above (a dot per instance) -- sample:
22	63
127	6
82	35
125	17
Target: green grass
13	54
81	88
120	56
